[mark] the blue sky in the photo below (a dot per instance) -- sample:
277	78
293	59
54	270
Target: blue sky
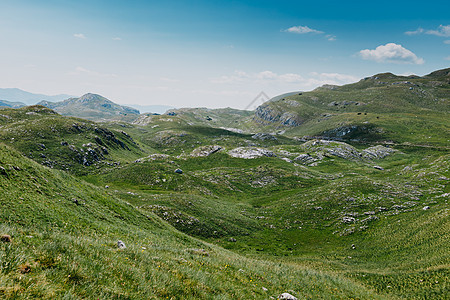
214	53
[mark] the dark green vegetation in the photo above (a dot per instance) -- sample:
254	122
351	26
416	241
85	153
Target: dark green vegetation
246	216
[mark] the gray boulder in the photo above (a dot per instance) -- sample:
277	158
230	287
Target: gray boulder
305	159
264	136
204	151
121	245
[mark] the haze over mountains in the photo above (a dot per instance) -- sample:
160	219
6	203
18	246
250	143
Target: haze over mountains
18	95
14	97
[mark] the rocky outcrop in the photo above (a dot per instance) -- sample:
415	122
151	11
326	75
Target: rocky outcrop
317	150
377	152
305	159
250	152
332	148
264	136
204	151
272	115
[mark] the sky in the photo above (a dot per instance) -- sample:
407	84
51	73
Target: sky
214	53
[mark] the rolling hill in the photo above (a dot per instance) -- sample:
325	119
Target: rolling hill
337	193
92	107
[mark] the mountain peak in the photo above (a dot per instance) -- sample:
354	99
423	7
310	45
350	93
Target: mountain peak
91	106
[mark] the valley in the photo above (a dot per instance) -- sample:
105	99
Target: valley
337	193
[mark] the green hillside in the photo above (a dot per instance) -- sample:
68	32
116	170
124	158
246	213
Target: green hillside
72	144
384	107
63	245
337	193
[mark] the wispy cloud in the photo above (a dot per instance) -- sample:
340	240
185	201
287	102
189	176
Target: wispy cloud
166	79
302	30
418	31
391	53
116	38
331	37
307	30
447	42
313	79
264	76
335	77
79	36
84	71
442	30
447	58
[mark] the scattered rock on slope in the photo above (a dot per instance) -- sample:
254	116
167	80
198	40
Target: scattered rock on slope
205	150
250	152
121	245
264	136
377	152
287	296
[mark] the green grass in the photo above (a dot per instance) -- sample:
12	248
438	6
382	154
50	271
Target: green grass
71	250
337	228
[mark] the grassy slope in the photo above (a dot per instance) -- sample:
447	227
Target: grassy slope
69	249
299	217
64	142
395	108
288	217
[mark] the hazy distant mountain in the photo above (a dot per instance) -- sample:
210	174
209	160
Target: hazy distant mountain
4	103
18	95
91	107
160	109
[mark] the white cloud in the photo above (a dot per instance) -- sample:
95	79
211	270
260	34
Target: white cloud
306	30
266	75
302	30
166	79
391	53
441	31
335	77
447	42
238	76
116	38
418	31
407	73
83	71
291	80
79	35
331	37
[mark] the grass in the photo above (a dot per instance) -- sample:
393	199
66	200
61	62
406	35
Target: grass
71	249
232	228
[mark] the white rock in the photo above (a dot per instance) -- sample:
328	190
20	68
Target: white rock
250	152
121	245
287	296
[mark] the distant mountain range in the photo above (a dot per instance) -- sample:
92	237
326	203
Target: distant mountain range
4	103
91	107
160	109
15	98
18	95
